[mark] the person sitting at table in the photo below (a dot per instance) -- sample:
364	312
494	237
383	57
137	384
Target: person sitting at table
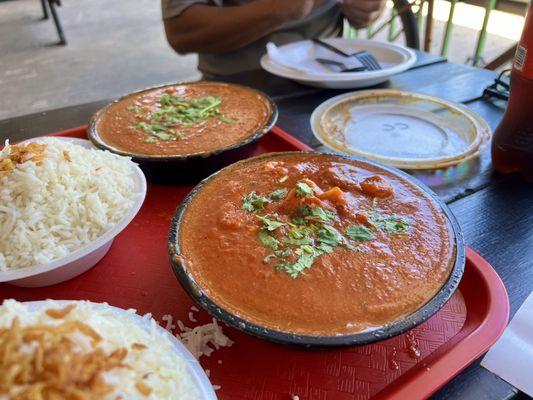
230	35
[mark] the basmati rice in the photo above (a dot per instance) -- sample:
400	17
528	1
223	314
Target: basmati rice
61	202
198	339
159	365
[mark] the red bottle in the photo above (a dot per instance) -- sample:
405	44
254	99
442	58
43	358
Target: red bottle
512	147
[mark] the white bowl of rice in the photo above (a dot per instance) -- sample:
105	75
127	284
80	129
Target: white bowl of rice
79	349
62	202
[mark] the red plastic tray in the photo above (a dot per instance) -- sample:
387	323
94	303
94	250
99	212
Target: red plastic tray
136	273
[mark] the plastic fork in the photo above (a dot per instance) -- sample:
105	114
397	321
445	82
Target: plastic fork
343	67
368	60
364	57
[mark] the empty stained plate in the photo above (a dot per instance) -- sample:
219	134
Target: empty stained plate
401	129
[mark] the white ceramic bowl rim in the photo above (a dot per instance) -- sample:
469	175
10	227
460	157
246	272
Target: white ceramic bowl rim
195	369
141	188
408	56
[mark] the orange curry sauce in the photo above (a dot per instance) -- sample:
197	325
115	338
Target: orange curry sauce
397	256
247	110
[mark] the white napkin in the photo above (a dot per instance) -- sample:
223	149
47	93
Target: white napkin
303	58
511	358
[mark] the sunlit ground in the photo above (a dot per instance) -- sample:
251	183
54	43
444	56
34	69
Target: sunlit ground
504	30
119	46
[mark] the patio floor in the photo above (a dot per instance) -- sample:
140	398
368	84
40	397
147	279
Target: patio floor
114	47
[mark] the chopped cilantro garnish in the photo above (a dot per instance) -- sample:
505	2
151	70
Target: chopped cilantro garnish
326	248
297	233
277	253
278	194
227	120
329	235
137	110
314	251
283	252
396	226
175	111
268	240
310	234
270	224
141	125
282	265
164	136
303	190
253	202
305	249
351	247
298	220
269	257
298	236
359	232
150	139
393	225
297	242
316	213
304	261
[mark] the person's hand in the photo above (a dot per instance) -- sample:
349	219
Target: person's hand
361	13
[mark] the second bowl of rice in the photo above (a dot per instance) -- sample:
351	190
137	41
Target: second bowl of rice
62	202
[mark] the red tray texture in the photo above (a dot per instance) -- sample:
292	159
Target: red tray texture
136	274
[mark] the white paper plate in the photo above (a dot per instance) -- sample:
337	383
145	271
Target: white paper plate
86	257
393	58
201	380
402	129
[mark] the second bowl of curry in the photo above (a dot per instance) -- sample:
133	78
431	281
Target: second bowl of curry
316	249
184	130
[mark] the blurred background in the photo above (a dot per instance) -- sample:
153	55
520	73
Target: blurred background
108	48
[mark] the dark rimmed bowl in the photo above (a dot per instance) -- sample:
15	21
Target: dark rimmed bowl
365	337
186	168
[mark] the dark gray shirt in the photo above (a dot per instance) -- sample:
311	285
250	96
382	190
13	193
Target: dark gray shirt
323	21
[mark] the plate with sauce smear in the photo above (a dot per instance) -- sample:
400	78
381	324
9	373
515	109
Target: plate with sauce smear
198	126
405	130
316	249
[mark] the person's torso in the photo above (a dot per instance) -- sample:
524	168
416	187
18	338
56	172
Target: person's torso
323	21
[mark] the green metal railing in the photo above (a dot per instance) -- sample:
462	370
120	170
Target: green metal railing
482	38
393	32
448	30
420	9
477	57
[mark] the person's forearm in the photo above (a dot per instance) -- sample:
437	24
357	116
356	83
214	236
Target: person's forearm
210	29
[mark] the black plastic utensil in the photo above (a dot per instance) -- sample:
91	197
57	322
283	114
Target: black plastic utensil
332	48
368	60
364	57
343	67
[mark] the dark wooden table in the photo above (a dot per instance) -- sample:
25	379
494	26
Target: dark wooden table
495	211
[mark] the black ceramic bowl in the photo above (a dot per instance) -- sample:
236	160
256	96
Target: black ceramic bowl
367	336
186	168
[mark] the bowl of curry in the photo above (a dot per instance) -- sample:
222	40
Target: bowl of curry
184	129
316	249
